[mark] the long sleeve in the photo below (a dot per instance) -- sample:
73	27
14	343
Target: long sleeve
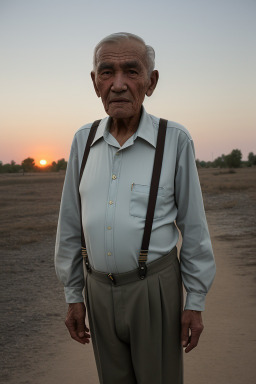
196	257
68	260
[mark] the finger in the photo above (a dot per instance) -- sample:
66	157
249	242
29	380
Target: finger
73	332
85	338
87	333
83	333
80	327
185	334
193	340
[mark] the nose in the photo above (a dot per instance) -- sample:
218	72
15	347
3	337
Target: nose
119	84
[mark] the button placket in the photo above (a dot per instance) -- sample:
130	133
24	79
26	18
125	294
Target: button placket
110	216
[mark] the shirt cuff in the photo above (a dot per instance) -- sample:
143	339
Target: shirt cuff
195	301
74	294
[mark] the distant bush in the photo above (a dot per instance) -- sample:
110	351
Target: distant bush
28	165
11	167
251	159
60	165
232	160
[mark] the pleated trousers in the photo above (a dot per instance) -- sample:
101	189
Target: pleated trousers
135	324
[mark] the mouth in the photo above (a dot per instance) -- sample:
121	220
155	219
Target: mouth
120	100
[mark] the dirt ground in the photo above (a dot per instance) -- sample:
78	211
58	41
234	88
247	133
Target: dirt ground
35	346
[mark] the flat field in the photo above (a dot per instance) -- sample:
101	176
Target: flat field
30	203
33	309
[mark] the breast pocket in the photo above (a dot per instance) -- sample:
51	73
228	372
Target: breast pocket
139	201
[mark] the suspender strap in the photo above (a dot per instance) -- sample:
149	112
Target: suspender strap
91	136
152	197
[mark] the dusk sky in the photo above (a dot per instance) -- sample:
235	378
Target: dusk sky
205	54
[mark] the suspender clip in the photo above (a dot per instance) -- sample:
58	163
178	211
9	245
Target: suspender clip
86	259
87	265
142	270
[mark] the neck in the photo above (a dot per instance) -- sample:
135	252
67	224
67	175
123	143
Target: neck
123	129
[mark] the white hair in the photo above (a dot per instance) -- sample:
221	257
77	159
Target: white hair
116	37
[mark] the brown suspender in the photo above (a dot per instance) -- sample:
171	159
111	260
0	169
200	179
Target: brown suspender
91	136
151	201
152	197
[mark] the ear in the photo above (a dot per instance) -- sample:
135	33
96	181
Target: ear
153	82
93	76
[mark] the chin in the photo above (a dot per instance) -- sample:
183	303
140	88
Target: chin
120	113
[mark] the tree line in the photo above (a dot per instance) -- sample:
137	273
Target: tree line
232	160
28	165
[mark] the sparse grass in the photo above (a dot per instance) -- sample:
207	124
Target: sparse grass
233	237
230	200
220	205
243	179
224	172
229	204
29	208
30	178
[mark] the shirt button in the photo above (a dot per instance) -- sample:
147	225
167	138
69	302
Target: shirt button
109	227
117	153
113	177
109	253
111	202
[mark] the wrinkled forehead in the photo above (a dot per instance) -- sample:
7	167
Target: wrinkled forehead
123	50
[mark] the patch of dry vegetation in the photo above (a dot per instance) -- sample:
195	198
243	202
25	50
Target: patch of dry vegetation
230	203
221	181
29	208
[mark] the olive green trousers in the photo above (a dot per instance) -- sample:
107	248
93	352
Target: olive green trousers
135	324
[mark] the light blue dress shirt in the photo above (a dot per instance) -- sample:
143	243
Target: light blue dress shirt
114	192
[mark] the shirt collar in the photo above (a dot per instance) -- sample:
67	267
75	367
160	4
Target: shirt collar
101	130
145	131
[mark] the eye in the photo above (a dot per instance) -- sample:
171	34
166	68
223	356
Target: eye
132	72
105	74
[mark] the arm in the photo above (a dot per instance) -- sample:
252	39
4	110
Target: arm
196	256
68	259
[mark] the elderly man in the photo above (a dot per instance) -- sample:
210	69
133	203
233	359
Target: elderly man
131	181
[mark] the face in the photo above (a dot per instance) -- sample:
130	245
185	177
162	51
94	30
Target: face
121	78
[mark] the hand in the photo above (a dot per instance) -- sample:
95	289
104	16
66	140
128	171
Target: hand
75	322
191	320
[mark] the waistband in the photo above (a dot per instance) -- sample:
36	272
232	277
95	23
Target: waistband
132	276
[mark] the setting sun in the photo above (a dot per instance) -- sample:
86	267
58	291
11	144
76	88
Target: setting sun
43	162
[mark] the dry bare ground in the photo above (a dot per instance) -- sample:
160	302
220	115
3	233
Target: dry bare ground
35	347
230	203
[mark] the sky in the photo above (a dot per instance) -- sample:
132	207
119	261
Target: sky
205	54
